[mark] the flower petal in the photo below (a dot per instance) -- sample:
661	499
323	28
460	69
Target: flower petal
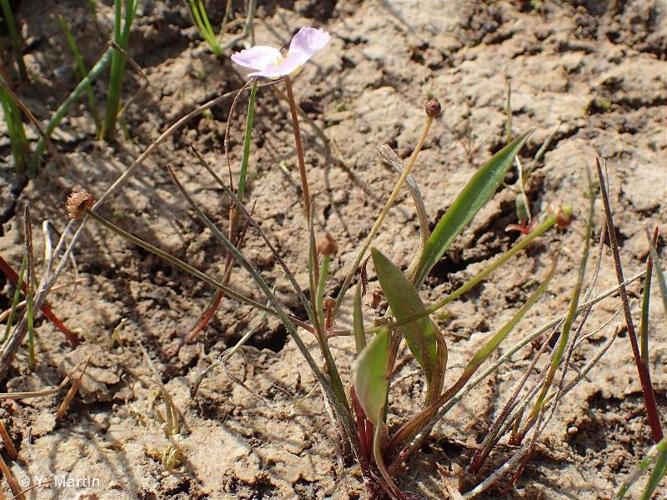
285	67
306	42
258	57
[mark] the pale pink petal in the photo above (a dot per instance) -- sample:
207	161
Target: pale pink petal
285	67
258	57
306	42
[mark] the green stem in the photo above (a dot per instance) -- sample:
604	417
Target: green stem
246	142
299	147
336	382
324	275
572	310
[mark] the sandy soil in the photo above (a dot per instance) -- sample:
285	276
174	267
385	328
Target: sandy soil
596	68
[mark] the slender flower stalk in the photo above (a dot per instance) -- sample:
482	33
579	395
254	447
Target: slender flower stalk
299	147
430	115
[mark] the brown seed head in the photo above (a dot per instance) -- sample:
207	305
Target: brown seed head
78	202
327	245
433	108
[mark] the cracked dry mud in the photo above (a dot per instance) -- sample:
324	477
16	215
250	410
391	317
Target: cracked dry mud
594	71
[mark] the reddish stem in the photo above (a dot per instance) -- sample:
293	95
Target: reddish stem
362	427
642	369
12	276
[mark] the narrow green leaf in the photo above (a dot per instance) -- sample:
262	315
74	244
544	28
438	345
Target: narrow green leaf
405	302
572	309
487	349
15	130
62	110
370	376
659	272
656	476
474	196
644	322
81	70
658	451
245	160
358	322
14	36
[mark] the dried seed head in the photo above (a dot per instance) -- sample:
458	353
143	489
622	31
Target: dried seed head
563	214
78	202
433	108
376	298
327	245
328	304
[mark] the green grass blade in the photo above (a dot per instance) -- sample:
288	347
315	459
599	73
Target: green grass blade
30	289
405	302
204	16
642	467
60	113
14	36
659	272
572	310
118	63
644	321
203	24
15	129
358	322
474	196
656	476
370	376
82	71
483	353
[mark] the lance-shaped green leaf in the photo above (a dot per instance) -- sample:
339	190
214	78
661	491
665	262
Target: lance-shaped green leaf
405	302
370	376
414	425
475	195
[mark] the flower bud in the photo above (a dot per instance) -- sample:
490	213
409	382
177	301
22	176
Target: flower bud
78	202
563	214
327	246
433	108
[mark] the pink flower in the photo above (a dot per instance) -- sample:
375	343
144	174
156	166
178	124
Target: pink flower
270	63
